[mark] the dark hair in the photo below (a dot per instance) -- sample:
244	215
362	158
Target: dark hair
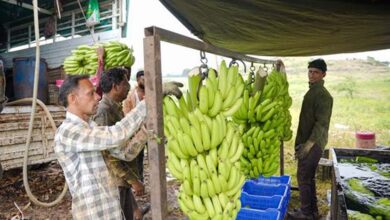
139	74
319	64
70	83
112	77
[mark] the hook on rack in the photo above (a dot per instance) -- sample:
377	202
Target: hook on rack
265	68
203	68
234	62
252	69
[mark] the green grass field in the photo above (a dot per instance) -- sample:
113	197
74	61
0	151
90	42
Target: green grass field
361	92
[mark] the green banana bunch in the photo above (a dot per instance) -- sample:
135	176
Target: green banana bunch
82	61
217	95
261	156
211	185
277	88
266	120
117	54
204	148
211	197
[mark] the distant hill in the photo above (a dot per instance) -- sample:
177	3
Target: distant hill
299	66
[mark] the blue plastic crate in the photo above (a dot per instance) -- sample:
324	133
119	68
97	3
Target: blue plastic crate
255	188
261	202
266	196
253	214
274	180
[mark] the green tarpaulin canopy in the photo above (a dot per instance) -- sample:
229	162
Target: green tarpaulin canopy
287	27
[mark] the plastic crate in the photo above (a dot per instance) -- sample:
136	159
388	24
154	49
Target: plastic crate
263	196
255	188
261	202
253	214
274	180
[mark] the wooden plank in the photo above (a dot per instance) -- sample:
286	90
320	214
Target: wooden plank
35	159
17	151
178	39
338	204
381	155
156	151
23	139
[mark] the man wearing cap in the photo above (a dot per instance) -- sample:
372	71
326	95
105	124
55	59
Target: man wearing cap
312	136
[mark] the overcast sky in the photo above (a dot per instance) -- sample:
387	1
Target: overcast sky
145	13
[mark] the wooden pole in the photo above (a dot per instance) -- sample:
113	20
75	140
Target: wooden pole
156	151
281	158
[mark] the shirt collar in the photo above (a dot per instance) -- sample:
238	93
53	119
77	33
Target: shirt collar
110	102
75	118
317	84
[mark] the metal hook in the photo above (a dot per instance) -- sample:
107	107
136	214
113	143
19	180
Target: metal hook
203	68
252	69
234	61
265	68
203	58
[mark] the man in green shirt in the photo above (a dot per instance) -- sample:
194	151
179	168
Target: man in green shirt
124	174
312	136
115	86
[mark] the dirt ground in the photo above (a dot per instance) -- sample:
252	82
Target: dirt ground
47	181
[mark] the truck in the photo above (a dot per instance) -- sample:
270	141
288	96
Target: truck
63	26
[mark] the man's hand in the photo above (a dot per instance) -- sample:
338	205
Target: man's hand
137	214
303	149
136	144
138	188
100	53
172	88
297	147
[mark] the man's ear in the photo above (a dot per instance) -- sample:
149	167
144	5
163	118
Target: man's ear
114	87
72	98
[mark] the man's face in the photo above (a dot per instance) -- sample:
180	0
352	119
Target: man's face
85	98
315	75
123	89
141	82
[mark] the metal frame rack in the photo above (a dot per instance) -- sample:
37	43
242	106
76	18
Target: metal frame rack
153	81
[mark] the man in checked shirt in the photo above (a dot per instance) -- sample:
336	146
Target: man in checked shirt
78	145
